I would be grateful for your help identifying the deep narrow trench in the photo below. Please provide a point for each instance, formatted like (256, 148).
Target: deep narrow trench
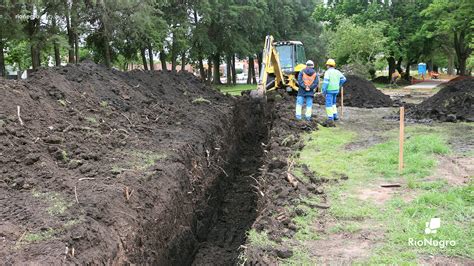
(236, 207)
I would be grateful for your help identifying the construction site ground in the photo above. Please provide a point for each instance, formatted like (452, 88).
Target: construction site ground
(106, 167)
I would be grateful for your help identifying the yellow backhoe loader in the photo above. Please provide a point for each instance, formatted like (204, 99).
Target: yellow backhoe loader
(281, 63)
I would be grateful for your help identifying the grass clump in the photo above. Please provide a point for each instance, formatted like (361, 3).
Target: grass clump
(57, 205)
(260, 239)
(91, 120)
(235, 89)
(40, 236)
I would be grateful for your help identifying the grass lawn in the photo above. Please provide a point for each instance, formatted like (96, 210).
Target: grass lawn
(235, 89)
(402, 216)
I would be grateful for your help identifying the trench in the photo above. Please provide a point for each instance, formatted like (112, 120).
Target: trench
(234, 204)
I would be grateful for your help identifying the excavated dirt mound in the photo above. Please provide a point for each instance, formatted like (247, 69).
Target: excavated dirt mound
(359, 92)
(106, 167)
(453, 102)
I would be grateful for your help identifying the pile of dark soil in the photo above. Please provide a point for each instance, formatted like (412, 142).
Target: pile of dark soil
(381, 79)
(359, 92)
(386, 80)
(453, 102)
(458, 78)
(106, 167)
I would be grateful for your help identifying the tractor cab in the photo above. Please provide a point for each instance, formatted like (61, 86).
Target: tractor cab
(291, 55)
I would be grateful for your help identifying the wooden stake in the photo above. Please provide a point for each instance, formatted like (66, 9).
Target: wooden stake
(342, 101)
(402, 138)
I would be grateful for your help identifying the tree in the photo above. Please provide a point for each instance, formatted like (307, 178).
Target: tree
(453, 18)
(352, 43)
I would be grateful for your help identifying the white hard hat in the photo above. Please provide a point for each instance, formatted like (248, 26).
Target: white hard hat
(310, 63)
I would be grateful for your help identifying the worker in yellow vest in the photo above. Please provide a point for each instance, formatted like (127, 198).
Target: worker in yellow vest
(308, 81)
(333, 80)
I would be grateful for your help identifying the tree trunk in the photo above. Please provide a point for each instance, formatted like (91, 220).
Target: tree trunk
(234, 74)
(163, 60)
(173, 54)
(35, 56)
(76, 48)
(250, 72)
(391, 67)
(105, 35)
(217, 74)
(209, 70)
(399, 65)
(229, 69)
(462, 51)
(406, 75)
(450, 64)
(70, 39)
(251, 77)
(144, 62)
(150, 55)
(3, 72)
(183, 61)
(259, 61)
(57, 55)
(202, 72)
(108, 60)
(75, 33)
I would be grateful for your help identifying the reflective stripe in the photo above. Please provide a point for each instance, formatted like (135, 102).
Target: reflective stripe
(308, 80)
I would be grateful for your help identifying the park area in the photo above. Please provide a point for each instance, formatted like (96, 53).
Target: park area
(132, 134)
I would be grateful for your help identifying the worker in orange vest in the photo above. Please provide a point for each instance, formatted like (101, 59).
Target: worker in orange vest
(308, 81)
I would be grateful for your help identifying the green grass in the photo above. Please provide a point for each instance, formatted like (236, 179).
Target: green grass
(398, 219)
(91, 120)
(39, 236)
(235, 89)
(57, 205)
(137, 160)
(345, 226)
(326, 154)
(455, 207)
(259, 239)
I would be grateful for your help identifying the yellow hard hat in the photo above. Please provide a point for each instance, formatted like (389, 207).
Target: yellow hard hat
(331, 62)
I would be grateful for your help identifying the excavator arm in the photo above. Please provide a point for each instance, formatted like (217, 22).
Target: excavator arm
(270, 59)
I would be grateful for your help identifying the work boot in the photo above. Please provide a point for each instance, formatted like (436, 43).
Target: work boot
(328, 123)
(336, 117)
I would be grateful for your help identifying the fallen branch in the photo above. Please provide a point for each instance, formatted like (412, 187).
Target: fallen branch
(289, 176)
(19, 116)
(127, 119)
(291, 179)
(207, 158)
(75, 194)
(21, 237)
(128, 193)
(86, 178)
(390, 185)
(225, 173)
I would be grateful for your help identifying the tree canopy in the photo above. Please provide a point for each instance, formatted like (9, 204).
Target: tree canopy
(118, 33)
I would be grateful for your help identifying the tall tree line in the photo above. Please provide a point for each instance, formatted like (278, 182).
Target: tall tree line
(118, 33)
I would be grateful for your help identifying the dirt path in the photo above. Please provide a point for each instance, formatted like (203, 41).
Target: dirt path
(428, 84)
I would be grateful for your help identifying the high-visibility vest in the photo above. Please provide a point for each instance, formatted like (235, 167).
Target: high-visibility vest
(308, 80)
